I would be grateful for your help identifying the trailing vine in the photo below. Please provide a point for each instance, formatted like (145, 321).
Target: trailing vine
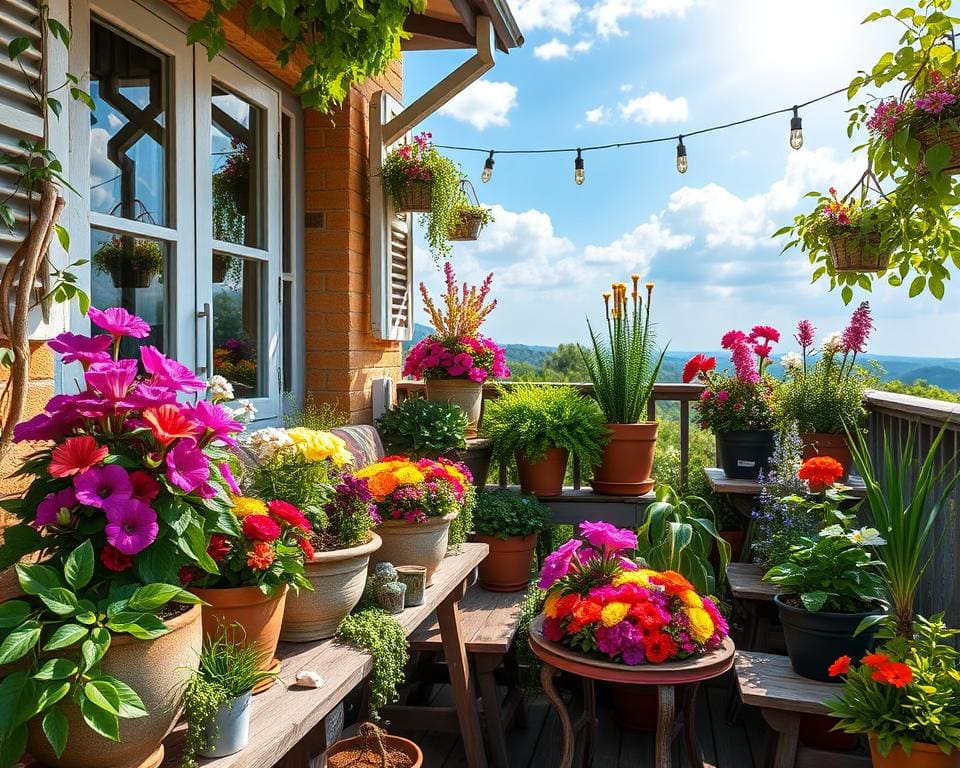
(344, 41)
(380, 634)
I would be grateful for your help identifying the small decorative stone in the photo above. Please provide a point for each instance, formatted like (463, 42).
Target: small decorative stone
(307, 678)
(390, 596)
(415, 579)
(383, 573)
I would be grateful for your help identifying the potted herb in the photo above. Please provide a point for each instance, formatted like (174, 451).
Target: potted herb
(373, 747)
(470, 219)
(738, 408)
(123, 495)
(905, 697)
(455, 360)
(216, 699)
(541, 426)
(830, 584)
(131, 262)
(509, 524)
(623, 365)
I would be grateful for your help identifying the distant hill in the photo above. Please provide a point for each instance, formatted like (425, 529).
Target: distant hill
(516, 353)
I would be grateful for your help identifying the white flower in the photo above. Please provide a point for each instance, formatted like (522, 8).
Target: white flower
(270, 442)
(867, 537)
(245, 412)
(832, 531)
(792, 361)
(220, 389)
(833, 342)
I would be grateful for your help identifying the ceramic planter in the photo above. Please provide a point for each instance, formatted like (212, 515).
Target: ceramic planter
(826, 444)
(545, 477)
(627, 460)
(477, 456)
(507, 567)
(744, 455)
(414, 543)
(815, 640)
(157, 670)
(347, 753)
(228, 731)
(259, 618)
(463, 392)
(850, 253)
(338, 579)
(921, 756)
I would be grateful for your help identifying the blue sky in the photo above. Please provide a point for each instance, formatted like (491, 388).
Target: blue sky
(598, 71)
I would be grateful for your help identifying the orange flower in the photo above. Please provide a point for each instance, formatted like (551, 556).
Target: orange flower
(261, 557)
(876, 659)
(566, 605)
(893, 673)
(383, 484)
(673, 582)
(820, 472)
(586, 612)
(840, 667)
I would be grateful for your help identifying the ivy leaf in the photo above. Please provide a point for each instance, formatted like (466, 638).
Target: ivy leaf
(937, 157)
(58, 30)
(936, 287)
(17, 46)
(814, 601)
(60, 600)
(846, 294)
(55, 728)
(78, 568)
(19, 642)
(67, 635)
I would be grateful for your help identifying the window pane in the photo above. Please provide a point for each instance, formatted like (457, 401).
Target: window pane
(238, 328)
(128, 272)
(237, 160)
(128, 133)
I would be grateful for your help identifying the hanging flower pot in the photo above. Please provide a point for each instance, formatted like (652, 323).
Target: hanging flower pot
(467, 226)
(127, 275)
(943, 134)
(130, 262)
(853, 253)
(414, 197)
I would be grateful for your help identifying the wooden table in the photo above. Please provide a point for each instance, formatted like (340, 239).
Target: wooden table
(666, 677)
(287, 725)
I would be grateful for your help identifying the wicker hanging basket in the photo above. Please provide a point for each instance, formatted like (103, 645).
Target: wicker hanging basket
(852, 254)
(467, 227)
(943, 134)
(414, 197)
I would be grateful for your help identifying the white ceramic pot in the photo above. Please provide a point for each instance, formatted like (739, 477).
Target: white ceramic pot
(414, 543)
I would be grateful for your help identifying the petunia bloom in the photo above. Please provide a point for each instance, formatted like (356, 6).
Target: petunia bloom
(76, 455)
(557, 564)
(131, 526)
(214, 422)
(76, 348)
(167, 372)
(187, 466)
(118, 322)
(608, 538)
(103, 486)
(112, 379)
(169, 422)
(227, 474)
(145, 486)
(56, 509)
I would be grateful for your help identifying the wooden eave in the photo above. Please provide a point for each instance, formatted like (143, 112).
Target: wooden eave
(452, 24)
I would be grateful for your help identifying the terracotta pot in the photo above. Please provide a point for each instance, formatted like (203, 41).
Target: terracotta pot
(545, 477)
(627, 460)
(259, 618)
(345, 752)
(921, 756)
(463, 392)
(816, 732)
(826, 444)
(338, 579)
(476, 456)
(157, 670)
(507, 567)
(414, 543)
(850, 253)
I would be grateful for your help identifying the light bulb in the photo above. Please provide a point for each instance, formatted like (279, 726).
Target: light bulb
(579, 175)
(682, 163)
(796, 130)
(487, 169)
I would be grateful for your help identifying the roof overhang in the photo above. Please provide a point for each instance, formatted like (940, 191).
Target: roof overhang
(451, 24)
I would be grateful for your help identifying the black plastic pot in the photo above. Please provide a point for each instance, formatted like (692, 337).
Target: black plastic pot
(743, 455)
(816, 640)
(476, 456)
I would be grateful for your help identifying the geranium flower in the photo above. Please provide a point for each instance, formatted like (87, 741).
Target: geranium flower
(118, 322)
(820, 472)
(76, 455)
(261, 528)
(112, 379)
(659, 647)
(214, 422)
(131, 526)
(187, 466)
(875, 659)
(219, 547)
(697, 365)
(114, 560)
(167, 372)
(840, 667)
(169, 423)
(145, 486)
(261, 557)
(556, 565)
(76, 348)
(103, 486)
(56, 509)
(289, 514)
(893, 673)
(553, 630)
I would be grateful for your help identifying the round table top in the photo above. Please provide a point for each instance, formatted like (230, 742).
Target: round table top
(692, 670)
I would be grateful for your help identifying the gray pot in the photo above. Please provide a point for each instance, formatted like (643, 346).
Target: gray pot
(229, 730)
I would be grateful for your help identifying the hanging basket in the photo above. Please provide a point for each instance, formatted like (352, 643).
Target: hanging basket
(414, 197)
(852, 254)
(127, 275)
(467, 227)
(944, 134)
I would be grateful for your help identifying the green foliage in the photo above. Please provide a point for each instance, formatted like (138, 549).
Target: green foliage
(377, 632)
(530, 608)
(827, 397)
(678, 535)
(344, 42)
(505, 514)
(920, 388)
(747, 406)
(145, 255)
(528, 419)
(294, 479)
(315, 414)
(925, 710)
(421, 428)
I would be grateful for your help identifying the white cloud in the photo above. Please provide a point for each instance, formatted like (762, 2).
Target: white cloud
(598, 115)
(635, 250)
(557, 49)
(583, 46)
(654, 107)
(607, 14)
(626, 88)
(546, 14)
(482, 104)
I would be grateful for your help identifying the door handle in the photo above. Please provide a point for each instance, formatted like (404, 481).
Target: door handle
(207, 316)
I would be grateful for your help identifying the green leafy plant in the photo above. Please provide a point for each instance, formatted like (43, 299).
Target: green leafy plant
(314, 414)
(505, 514)
(306, 484)
(623, 363)
(906, 497)
(228, 669)
(464, 209)
(529, 418)
(56, 640)
(380, 634)
(423, 428)
(678, 535)
(145, 255)
(343, 42)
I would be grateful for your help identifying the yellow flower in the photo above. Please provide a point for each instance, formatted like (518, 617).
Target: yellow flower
(691, 599)
(408, 475)
(701, 625)
(641, 577)
(245, 505)
(315, 445)
(613, 613)
(550, 604)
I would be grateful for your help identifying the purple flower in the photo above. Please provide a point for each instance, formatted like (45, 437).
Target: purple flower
(169, 373)
(188, 468)
(83, 349)
(228, 478)
(557, 564)
(607, 537)
(149, 396)
(215, 421)
(103, 486)
(131, 526)
(934, 102)
(118, 322)
(112, 379)
(805, 333)
(857, 333)
(56, 509)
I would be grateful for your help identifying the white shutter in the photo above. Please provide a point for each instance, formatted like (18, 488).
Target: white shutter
(401, 276)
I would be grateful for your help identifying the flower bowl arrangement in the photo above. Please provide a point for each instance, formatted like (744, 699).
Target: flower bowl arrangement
(455, 360)
(127, 489)
(738, 408)
(416, 502)
(623, 365)
(599, 601)
(133, 267)
(509, 524)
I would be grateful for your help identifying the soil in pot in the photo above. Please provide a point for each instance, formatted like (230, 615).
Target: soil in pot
(921, 756)
(374, 750)
(744, 455)
(627, 460)
(507, 567)
(545, 477)
(826, 444)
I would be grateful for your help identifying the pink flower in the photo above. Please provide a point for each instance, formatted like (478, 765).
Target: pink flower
(479, 375)
(723, 396)
(112, 379)
(215, 422)
(934, 102)
(884, 119)
(766, 332)
(118, 322)
(856, 334)
(131, 526)
(762, 350)
(83, 349)
(731, 338)
(557, 564)
(607, 537)
(227, 475)
(805, 333)
(187, 467)
(168, 372)
(56, 509)
(744, 363)
(104, 486)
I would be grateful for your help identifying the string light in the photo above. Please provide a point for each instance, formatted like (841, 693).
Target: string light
(487, 169)
(682, 163)
(579, 175)
(796, 129)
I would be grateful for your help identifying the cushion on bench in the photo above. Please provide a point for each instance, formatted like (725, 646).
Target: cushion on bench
(363, 442)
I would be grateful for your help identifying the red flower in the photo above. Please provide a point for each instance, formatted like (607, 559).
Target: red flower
(767, 332)
(145, 487)
(566, 605)
(113, 559)
(261, 528)
(659, 647)
(762, 350)
(840, 667)
(76, 455)
(553, 630)
(820, 472)
(186, 575)
(262, 555)
(876, 659)
(290, 514)
(168, 423)
(893, 673)
(696, 365)
(647, 615)
(219, 548)
(307, 547)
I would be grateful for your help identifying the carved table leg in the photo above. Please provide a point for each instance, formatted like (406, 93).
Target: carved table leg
(694, 755)
(547, 673)
(589, 721)
(666, 700)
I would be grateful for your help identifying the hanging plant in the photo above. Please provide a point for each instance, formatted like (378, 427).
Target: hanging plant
(471, 217)
(135, 267)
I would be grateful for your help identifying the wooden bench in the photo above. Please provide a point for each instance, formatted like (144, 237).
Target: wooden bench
(754, 597)
(488, 623)
(783, 697)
